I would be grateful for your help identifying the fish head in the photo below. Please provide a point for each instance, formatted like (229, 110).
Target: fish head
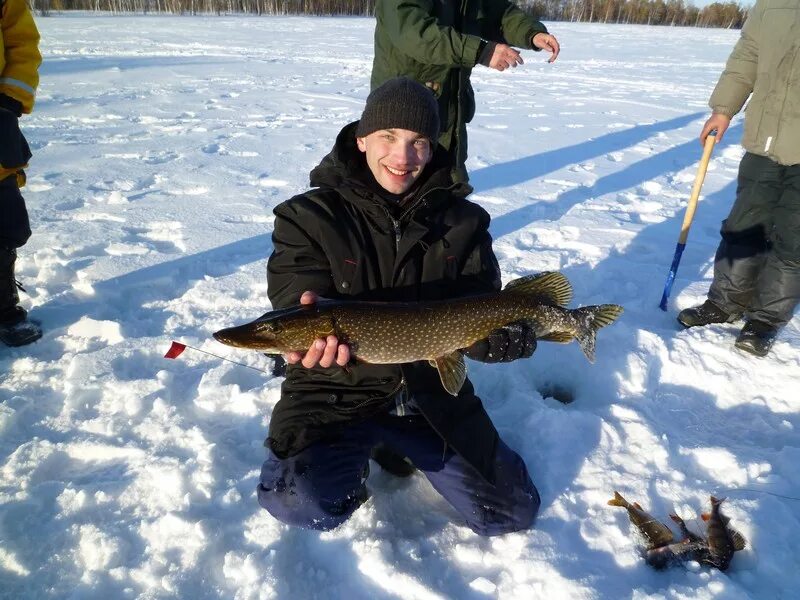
(276, 332)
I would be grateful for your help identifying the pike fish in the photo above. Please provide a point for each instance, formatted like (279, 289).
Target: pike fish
(393, 333)
(654, 531)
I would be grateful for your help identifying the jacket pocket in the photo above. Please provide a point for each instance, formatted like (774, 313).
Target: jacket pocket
(348, 269)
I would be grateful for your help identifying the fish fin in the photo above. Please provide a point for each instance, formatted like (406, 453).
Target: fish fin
(452, 371)
(675, 518)
(593, 318)
(562, 337)
(432, 363)
(618, 500)
(637, 505)
(705, 516)
(739, 541)
(550, 285)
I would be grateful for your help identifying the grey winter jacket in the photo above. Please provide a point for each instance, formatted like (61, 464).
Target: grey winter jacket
(766, 63)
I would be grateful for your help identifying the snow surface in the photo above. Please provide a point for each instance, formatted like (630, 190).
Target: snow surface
(162, 145)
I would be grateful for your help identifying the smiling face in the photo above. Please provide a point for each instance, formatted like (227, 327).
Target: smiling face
(396, 157)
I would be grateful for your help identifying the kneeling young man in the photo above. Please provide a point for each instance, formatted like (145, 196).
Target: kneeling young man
(385, 221)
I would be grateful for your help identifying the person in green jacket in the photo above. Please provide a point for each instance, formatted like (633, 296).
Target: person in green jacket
(757, 264)
(438, 43)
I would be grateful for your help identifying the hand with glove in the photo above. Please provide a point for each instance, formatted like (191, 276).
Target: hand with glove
(515, 340)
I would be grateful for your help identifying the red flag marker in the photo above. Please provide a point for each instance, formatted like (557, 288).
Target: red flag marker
(175, 350)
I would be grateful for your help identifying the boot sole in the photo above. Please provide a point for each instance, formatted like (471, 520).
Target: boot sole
(745, 347)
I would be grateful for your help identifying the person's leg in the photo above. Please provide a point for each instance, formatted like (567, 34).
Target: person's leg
(320, 487)
(745, 234)
(510, 504)
(15, 329)
(778, 287)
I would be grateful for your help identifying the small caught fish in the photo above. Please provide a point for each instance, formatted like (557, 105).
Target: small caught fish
(665, 556)
(687, 535)
(723, 540)
(698, 545)
(655, 532)
(393, 333)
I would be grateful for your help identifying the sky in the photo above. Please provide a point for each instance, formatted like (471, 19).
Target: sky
(162, 144)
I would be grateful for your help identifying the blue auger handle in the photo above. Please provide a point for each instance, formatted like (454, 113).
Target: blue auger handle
(671, 275)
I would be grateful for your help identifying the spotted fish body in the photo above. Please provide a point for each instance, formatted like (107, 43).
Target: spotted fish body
(393, 333)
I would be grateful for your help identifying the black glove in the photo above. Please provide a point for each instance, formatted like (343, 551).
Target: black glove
(278, 366)
(11, 105)
(14, 150)
(516, 340)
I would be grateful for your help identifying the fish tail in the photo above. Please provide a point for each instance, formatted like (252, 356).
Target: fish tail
(592, 318)
(618, 500)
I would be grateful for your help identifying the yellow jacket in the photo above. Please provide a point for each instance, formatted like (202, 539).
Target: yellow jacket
(19, 53)
(19, 60)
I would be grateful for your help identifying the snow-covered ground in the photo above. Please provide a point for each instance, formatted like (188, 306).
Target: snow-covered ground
(162, 145)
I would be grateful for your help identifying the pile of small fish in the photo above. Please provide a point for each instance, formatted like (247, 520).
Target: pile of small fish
(715, 549)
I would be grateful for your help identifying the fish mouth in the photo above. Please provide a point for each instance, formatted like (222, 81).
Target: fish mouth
(242, 336)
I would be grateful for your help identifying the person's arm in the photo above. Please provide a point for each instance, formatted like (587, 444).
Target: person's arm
(298, 263)
(738, 79)
(298, 272)
(412, 27)
(513, 25)
(20, 41)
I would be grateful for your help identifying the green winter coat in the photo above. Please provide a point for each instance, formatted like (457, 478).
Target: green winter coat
(437, 43)
(766, 63)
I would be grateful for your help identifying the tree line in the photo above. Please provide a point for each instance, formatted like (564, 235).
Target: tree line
(644, 12)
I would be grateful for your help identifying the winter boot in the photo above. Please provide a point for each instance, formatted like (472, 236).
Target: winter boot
(391, 462)
(15, 328)
(756, 338)
(705, 314)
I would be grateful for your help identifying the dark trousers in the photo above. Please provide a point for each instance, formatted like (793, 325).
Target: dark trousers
(323, 485)
(15, 228)
(757, 265)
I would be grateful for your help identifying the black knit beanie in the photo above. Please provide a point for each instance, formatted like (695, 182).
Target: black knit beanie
(400, 103)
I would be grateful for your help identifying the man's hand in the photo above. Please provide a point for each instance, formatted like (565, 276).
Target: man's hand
(545, 41)
(504, 57)
(716, 121)
(516, 340)
(321, 352)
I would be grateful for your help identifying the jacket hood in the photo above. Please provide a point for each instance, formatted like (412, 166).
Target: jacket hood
(346, 167)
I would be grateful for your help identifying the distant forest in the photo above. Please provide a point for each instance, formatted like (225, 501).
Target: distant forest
(729, 15)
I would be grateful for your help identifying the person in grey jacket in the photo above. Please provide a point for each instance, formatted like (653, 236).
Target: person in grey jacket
(757, 264)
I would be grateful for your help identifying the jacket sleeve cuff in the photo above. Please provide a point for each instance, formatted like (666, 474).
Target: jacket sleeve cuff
(485, 52)
(11, 104)
(724, 110)
(533, 34)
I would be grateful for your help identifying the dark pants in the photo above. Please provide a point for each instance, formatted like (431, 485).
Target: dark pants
(323, 485)
(757, 265)
(15, 228)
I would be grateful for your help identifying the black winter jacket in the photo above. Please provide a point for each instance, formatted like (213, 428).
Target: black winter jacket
(344, 240)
